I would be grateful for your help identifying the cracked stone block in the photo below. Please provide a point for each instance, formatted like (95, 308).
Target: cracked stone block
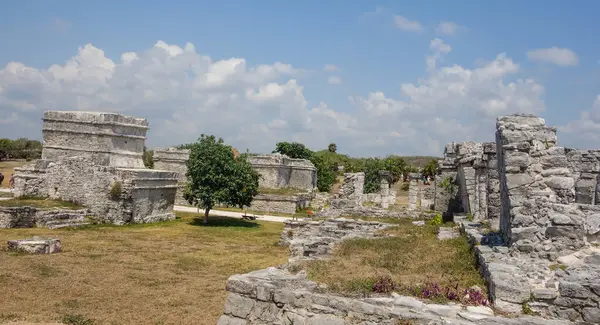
(35, 245)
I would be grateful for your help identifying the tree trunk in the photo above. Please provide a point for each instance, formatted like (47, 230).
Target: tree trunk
(206, 216)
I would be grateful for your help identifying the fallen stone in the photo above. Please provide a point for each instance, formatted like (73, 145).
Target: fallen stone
(35, 245)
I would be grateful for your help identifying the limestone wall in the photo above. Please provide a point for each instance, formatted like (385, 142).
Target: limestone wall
(106, 138)
(280, 171)
(351, 193)
(540, 185)
(145, 196)
(29, 217)
(475, 191)
(174, 160)
(280, 203)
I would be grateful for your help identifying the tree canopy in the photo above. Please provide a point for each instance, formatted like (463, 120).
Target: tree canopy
(332, 147)
(216, 176)
(21, 148)
(431, 168)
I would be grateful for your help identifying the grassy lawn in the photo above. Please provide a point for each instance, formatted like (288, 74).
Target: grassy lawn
(39, 203)
(164, 273)
(413, 259)
(6, 168)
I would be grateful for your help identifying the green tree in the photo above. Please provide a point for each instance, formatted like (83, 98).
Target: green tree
(293, 150)
(216, 176)
(395, 165)
(5, 148)
(372, 168)
(332, 147)
(148, 158)
(431, 168)
(326, 171)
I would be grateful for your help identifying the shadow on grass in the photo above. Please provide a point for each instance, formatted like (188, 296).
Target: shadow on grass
(214, 221)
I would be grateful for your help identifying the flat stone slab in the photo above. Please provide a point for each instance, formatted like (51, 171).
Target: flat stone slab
(448, 233)
(35, 245)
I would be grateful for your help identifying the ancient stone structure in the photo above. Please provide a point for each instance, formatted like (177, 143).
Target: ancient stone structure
(385, 196)
(175, 160)
(413, 194)
(351, 193)
(289, 204)
(277, 296)
(35, 245)
(468, 181)
(95, 160)
(280, 171)
(427, 197)
(310, 240)
(29, 217)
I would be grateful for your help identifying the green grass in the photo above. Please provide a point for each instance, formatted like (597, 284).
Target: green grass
(37, 202)
(412, 258)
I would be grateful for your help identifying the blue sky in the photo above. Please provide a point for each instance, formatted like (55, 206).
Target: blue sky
(372, 51)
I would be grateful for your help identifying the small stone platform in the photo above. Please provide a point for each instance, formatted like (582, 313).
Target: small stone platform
(35, 245)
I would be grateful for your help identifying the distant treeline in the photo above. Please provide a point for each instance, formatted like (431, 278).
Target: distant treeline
(21, 148)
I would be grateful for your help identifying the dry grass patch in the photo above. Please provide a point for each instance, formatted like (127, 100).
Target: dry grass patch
(413, 259)
(6, 168)
(163, 273)
(37, 202)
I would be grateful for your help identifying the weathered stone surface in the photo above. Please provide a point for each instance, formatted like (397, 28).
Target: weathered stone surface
(95, 159)
(281, 203)
(35, 245)
(29, 217)
(175, 160)
(280, 171)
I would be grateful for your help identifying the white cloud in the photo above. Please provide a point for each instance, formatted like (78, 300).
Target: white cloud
(406, 24)
(585, 131)
(439, 49)
(183, 94)
(448, 28)
(334, 80)
(331, 67)
(558, 56)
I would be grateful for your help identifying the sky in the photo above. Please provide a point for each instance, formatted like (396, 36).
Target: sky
(374, 77)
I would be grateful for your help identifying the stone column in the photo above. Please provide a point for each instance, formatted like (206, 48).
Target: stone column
(413, 194)
(385, 178)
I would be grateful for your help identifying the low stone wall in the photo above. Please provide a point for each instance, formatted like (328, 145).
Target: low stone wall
(29, 217)
(276, 296)
(566, 289)
(280, 203)
(316, 239)
(373, 212)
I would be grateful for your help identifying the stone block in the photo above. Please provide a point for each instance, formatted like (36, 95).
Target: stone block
(35, 245)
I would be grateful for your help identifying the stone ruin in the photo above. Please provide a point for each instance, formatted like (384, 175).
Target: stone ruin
(35, 245)
(468, 181)
(175, 160)
(281, 171)
(542, 199)
(95, 160)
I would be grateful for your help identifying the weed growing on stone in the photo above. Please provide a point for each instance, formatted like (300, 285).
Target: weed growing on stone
(411, 262)
(556, 266)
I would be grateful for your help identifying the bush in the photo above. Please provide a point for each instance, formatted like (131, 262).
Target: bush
(116, 190)
(405, 186)
(437, 220)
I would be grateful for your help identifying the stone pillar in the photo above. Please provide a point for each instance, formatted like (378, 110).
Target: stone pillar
(537, 189)
(351, 193)
(493, 185)
(385, 178)
(413, 194)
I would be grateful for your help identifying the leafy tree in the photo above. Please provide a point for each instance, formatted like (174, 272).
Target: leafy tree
(148, 158)
(216, 176)
(431, 168)
(372, 168)
(326, 171)
(395, 165)
(5, 148)
(293, 150)
(332, 147)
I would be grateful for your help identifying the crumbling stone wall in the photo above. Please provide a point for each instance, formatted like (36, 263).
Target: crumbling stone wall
(173, 159)
(29, 217)
(280, 171)
(95, 159)
(289, 204)
(351, 193)
(475, 191)
(541, 184)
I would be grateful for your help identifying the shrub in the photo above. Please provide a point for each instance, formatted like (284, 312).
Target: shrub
(116, 190)
(437, 220)
(384, 285)
(76, 320)
(405, 186)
